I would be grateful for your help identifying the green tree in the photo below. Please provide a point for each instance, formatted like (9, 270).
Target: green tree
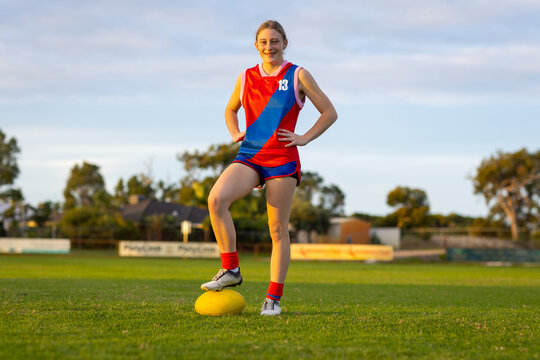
(310, 185)
(211, 162)
(120, 196)
(203, 169)
(390, 220)
(306, 214)
(90, 211)
(166, 192)
(9, 170)
(141, 185)
(82, 222)
(366, 217)
(510, 185)
(90, 222)
(43, 212)
(451, 220)
(332, 198)
(194, 192)
(84, 183)
(412, 207)
(87, 206)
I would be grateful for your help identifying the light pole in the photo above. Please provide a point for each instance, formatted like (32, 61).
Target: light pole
(186, 229)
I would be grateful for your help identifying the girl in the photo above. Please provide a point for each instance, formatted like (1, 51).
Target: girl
(272, 94)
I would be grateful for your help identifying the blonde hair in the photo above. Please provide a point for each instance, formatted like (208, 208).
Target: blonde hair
(271, 24)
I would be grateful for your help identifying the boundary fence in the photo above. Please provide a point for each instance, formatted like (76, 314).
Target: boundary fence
(469, 237)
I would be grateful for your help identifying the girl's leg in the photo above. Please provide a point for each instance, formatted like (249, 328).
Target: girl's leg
(279, 196)
(235, 182)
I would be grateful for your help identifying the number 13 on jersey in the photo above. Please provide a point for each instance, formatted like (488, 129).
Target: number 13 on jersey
(283, 85)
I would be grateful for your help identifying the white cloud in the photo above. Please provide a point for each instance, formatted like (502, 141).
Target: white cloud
(461, 75)
(109, 42)
(84, 71)
(100, 51)
(451, 76)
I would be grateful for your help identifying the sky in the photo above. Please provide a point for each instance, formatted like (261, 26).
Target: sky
(424, 90)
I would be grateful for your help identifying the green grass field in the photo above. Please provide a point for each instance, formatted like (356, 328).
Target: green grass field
(101, 307)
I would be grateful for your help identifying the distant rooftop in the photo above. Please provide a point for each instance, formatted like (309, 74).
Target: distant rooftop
(137, 212)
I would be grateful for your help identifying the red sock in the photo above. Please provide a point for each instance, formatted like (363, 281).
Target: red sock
(229, 261)
(275, 291)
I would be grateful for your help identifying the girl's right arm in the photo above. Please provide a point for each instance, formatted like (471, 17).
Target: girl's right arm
(231, 113)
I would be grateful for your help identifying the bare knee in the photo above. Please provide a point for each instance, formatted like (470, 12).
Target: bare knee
(278, 231)
(217, 203)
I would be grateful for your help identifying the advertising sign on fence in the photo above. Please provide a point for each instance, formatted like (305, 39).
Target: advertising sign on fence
(34, 246)
(168, 249)
(341, 252)
(487, 255)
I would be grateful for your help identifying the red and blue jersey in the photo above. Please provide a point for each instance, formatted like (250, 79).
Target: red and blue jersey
(270, 102)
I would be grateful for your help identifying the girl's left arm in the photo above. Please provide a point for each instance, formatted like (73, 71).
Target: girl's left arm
(308, 86)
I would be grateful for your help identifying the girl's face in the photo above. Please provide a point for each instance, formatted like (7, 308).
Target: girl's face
(271, 45)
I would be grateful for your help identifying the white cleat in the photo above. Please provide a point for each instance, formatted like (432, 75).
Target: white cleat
(270, 307)
(224, 278)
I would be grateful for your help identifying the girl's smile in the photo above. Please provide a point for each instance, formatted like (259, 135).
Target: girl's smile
(271, 45)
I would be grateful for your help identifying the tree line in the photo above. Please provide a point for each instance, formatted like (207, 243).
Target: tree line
(508, 182)
(90, 211)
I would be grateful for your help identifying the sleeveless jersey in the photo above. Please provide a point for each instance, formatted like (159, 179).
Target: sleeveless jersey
(270, 102)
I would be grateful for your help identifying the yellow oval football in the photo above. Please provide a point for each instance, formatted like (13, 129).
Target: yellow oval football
(224, 302)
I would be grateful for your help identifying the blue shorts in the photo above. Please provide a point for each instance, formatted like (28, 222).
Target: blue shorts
(265, 172)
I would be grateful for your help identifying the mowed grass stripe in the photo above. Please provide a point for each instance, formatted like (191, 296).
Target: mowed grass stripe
(108, 307)
(111, 267)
